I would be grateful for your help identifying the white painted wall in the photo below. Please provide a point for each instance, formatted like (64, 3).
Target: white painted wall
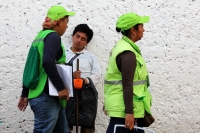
(170, 46)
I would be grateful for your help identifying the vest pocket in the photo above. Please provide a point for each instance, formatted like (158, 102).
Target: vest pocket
(138, 108)
(147, 101)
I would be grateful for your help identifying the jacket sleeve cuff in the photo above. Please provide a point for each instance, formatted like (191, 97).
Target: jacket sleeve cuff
(24, 91)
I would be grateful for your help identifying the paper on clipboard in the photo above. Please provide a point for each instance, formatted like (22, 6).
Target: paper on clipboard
(65, 72)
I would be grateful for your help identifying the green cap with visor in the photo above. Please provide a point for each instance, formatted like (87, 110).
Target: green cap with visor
(57, 12)
(128, 20)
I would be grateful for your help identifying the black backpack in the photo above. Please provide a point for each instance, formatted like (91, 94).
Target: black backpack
(88, 103)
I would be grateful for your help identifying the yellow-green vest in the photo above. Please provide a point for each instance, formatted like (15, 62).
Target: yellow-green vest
(35, 92)
(113, 91)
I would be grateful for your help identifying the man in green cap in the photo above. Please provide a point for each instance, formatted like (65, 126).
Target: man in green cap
(49, 112)
(126, 95)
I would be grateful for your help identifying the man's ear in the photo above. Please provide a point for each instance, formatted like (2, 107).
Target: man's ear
(58, 22)
(133, 30)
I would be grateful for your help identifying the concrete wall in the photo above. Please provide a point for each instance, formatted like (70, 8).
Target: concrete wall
(170, 46)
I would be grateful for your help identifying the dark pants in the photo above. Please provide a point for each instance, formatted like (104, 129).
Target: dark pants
(114, 121)
(87, 130)
(84, 129)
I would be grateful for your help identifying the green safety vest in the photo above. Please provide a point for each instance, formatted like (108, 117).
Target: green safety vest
(113, 90)
(35, 92)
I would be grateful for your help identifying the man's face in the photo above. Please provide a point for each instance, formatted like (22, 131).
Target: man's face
(79, 40)
(63, 25)
(139, 32)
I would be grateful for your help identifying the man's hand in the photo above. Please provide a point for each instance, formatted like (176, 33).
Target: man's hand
(64, 94)
(129, 121)
(22, 104)
(77, 74)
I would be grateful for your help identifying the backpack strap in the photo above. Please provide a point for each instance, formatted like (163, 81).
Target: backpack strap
(73, 58)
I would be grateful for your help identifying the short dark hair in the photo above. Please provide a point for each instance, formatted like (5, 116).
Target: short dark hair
(126, 32)
(85, 29)
(62, 19)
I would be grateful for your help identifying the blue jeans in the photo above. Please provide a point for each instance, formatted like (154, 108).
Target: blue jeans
(49, 116)
(115, 120)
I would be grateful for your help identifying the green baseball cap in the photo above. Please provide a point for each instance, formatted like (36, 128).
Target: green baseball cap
(57, 12)
(128, 20)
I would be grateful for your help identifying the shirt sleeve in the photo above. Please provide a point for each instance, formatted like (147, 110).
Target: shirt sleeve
(126, 63)
(95, 70)
(53, 52)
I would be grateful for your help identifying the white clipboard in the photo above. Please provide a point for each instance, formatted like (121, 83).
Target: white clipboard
(65, 72)
(136, 127)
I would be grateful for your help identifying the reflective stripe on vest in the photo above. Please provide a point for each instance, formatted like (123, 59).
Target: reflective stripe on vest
(38, 40)
(117, 82)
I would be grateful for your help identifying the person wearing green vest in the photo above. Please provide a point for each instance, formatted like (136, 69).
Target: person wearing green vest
(49, 111)
(126, 95)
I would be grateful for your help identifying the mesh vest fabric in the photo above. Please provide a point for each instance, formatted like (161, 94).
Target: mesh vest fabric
(31, 72)
(35, 92)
